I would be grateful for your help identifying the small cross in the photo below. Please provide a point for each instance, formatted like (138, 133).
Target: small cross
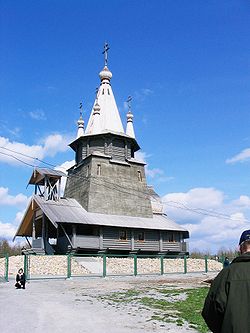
(105, 52)
(80, 107)
(129, 103)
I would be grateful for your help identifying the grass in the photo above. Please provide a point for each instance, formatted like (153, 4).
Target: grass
(122, 297)
(188, 310)
(177, 310)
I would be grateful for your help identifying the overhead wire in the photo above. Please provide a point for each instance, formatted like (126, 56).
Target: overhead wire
(114, 185)
(211, 213)
(28, 156)
(14, 157)
(119, 188)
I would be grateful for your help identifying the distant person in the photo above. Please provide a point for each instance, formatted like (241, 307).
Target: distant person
(227, 305)
(20, 279)
(226, 262)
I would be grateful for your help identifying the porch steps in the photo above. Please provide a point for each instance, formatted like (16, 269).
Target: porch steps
(91, 264)
(34, 251)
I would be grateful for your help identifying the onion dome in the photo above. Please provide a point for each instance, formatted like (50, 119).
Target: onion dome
(105, 74)
(130, 128)
(80, 123)
(96, 108)
(130, 116)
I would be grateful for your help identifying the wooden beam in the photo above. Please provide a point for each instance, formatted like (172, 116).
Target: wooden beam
(132, 241)
(74, 234)
(67, 236)
(161, 242)
(33, 227)
(27, 240)
(101, 238)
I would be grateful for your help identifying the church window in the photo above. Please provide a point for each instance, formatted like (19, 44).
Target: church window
(132, 153)
(123, 235)
(103, 91)
(108, 92)
(139, 176)
(98, 169)
(87, 173)
(141, 236)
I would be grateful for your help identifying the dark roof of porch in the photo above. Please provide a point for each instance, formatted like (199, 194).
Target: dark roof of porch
(38, 175)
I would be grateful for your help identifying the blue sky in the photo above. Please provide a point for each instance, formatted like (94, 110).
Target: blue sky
(187, 66)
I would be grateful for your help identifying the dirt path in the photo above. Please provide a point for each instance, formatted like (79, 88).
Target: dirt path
(76, 306)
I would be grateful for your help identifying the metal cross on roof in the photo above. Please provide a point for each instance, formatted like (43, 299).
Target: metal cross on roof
(129, 102)
(80, 107)
(105, 52)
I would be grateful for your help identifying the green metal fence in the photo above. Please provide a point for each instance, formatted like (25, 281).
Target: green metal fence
(102, 265)
(136, 265)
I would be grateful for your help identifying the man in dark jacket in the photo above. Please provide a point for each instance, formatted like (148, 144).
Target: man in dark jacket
(227, 305)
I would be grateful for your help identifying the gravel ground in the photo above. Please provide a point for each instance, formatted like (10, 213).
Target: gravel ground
(82, 305)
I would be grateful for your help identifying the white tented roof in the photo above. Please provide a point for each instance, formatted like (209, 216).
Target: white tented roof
(109, 117)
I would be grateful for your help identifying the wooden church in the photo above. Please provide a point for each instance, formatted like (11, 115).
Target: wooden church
(107, 205)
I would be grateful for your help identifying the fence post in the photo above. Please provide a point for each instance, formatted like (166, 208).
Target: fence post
(185, 264)
(6, 275)
(206, 266)
(69, 266)
(135, 264)
(104, 265)
(162, 265)
(28, 268)
(25, 265)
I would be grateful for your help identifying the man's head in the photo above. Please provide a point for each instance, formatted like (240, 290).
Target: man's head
(244, 242)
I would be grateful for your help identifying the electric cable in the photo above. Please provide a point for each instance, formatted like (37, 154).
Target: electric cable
(119, 188)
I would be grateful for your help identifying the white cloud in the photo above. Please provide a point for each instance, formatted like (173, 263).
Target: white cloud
(142, 94)
(147, 91)
(65, 166)
(243, 201)
(37, 114)
(55, 143)
(212, 222)
(7, 230)
(155, 173)
(178, 204)
(5, 127)
(19, 216)
(48, 146)
(141, 156)
(19, 200)
(243, 156)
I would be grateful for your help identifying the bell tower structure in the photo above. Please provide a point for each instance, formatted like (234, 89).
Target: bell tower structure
(106, 177)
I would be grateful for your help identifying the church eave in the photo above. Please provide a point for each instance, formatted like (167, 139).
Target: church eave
(85, 137)
(68, 210)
